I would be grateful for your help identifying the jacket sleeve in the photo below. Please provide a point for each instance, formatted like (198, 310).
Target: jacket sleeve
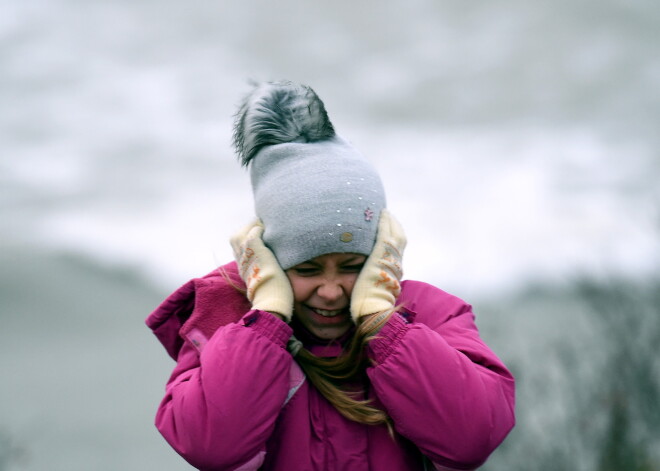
(444, 389)
(221, 406)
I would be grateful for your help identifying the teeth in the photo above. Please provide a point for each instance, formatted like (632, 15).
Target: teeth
(325, 313)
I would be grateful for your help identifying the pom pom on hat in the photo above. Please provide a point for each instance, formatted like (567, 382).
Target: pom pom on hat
(313, 191)
(279, 112)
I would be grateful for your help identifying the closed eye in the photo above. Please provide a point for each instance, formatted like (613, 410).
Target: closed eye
(306, 271)
(355, 268)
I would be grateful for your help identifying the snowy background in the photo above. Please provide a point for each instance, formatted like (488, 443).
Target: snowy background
(518, 143)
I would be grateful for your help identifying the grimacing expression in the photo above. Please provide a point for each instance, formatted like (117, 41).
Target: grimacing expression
(322, 289)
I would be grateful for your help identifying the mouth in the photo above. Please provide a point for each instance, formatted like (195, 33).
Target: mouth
(325, 316)
(326, 313)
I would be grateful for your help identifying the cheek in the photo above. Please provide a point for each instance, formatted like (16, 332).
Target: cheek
(300, 287)
(349, 284)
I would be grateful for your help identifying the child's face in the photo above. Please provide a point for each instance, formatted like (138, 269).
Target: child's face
(322, 290)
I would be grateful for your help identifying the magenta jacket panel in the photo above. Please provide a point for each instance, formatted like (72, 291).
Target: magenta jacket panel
(237, 400)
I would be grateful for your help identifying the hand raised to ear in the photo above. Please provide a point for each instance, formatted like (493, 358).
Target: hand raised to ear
(377, 286)
(268, 287)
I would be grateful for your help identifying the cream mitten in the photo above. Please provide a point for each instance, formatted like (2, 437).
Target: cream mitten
(268, 287)
(377, 286)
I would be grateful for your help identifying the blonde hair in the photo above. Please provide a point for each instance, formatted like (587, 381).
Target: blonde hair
(335, 378)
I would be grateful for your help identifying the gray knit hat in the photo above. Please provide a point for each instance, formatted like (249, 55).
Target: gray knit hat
(313, 191)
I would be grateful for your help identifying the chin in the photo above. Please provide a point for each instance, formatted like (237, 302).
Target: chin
(323, 327)
(329, 333)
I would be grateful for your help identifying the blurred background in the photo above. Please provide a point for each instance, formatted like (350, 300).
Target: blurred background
(518, 142)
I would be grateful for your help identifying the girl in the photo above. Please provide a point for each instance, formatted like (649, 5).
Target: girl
(309, 352)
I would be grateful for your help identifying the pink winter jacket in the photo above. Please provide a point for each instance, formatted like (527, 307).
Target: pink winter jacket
(237, 400)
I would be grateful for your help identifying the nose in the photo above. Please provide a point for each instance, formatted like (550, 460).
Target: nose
(330, 290)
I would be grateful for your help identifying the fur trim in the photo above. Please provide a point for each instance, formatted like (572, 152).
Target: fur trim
(279, 112)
